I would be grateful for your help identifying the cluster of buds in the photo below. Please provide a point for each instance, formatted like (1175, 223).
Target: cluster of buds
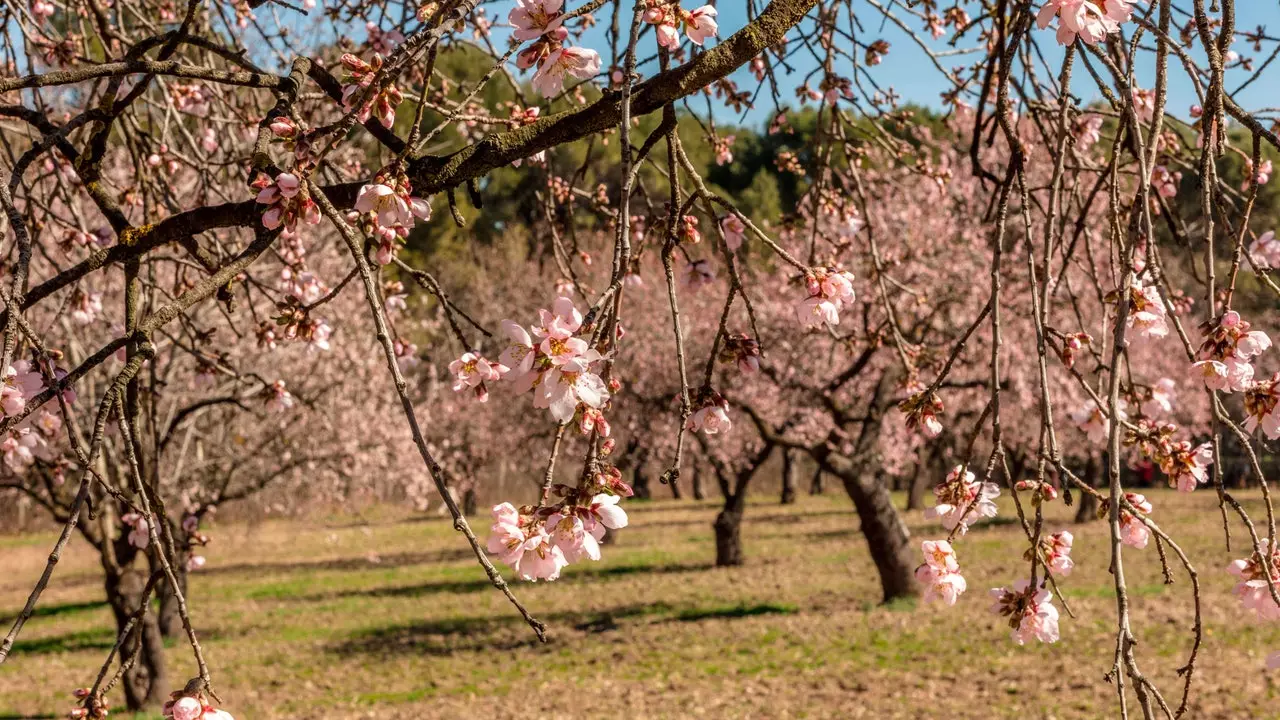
(922, 409)
(295, 323)
(709, 413)
(1041, 492)
(472, 371)
(668, 18)
(723, 147)
(1226, 354)
(382, 103)
(742, 350)
(876, 52)
(1071, 345)
(92, 707)
(688, 230)
(286, 200)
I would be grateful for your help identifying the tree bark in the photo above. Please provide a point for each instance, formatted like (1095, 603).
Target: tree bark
(887, 536)
(676, 492)
(1087, 505)
(915, 487)
(640, 479)
(790, 473)
(699, 492)
(470, 501)
(816, 485)
(169, 619)
(728, 526)
(144, 683)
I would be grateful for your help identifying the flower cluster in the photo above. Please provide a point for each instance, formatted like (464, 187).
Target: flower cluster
(1147, 318)
(1031, 612)
(471, 371)
(1186, 466)
(387, 210)
(1227, 353)
(552, 361)
(668, 18)
(186, 707)
(962, 499)
(1090, 21)
(940, 572)
(829, 289)
(94, 709)
(381, 104)
(286, 200)
(543, 22)
(1253, 589)
(537, 543)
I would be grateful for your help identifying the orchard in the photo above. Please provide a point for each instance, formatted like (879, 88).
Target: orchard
(535, 262)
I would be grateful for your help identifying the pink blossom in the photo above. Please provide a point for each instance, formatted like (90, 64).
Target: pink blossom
(1134, 532)
(1161, 400)
(1212, 373)
(20, 383)
(696, 275)
(542, 560)
(700, 24)
(569, 535)
(828, 290)
(940, 585)
(534, 18)
(519, 354)
(139, 534)
(1261, 403)
(711, 417)
(734, 231)
(186, 708)
(471, 371)
(577, 62)
(563, 388)
(277, 397)
(1077, 18)
(604, 507)
(1253, 589)
(939, 555)
(195, 562)
(1265, 251)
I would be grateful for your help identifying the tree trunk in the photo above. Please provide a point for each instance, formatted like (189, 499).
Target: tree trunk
(170, 620)
(699, 492)
(144, 684)
(1087, 507)
(915, 488)
(887, 536)
(676, 492)
(640, 480)
(790, 471)
(728, 526)
(816, 485)
(470, 501)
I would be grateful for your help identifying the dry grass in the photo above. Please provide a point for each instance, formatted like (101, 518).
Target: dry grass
(389, 619)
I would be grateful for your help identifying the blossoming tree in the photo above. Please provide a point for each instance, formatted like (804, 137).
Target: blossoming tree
(1033, 279)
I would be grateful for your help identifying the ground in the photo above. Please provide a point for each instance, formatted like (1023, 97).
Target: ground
(387, 616)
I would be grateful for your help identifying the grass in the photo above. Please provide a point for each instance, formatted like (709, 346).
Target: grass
(390, 619)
